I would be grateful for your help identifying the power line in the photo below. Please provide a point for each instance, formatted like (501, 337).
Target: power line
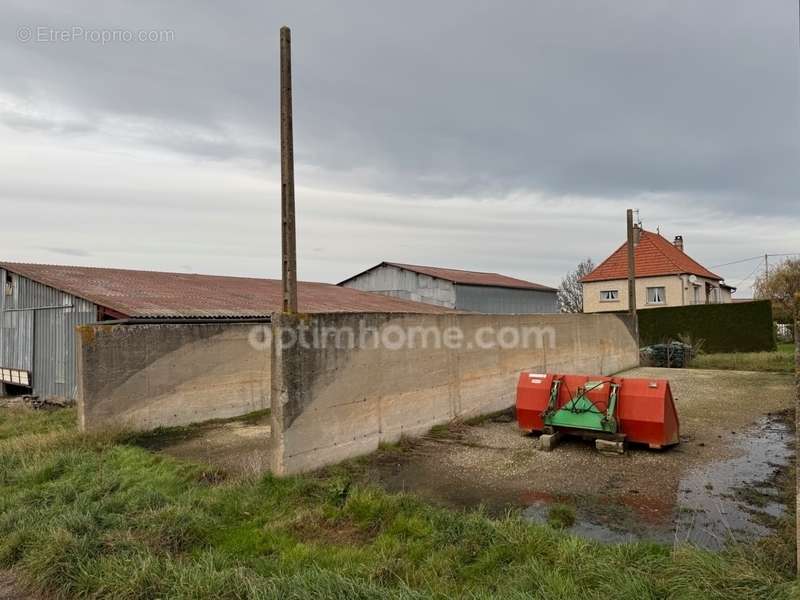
(736, 262)
(747, 278)
(759, 257)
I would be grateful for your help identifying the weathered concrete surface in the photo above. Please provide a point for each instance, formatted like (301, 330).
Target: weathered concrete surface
(146, 376)
(331, 403)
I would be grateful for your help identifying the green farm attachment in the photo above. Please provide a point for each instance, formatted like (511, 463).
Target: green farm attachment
(580, 412)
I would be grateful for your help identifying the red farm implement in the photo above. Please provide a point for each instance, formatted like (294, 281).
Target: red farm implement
(612, 410)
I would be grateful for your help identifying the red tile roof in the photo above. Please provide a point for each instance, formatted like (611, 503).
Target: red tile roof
(156, 294)
(464, 277)
(654, 255)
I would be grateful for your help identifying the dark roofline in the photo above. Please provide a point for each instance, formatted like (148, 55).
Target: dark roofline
(365, 271)
(676, 273)
(532, 286)
(539, 288)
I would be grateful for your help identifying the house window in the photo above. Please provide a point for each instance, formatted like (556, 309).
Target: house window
(609, 295)
(656, 295)
(9, 285)
(713, 296)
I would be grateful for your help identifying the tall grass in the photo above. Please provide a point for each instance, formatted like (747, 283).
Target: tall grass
(780, 361)
(91, 516)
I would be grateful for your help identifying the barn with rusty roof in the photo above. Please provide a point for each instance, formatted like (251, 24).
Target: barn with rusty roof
(41, 306)
(473, 291)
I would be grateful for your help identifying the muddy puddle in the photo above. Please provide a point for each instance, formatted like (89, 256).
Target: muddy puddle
(707, 503)
(722, 500)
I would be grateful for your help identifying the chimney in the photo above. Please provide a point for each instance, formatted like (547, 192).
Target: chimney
(637, 234)
(678, 242)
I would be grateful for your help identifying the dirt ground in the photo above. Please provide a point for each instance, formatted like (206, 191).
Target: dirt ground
(11, 590)
(238, 447)
(734, 434)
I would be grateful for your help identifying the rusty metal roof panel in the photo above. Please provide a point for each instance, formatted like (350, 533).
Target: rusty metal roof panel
(153, 294)
(459, 276)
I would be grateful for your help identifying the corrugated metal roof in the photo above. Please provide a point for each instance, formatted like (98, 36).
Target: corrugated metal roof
(654, 255)
(462, 277)
(153, 294)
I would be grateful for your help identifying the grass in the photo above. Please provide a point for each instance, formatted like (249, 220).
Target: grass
(96, 516)
(160, 437)
(780, 361)
(561, 516)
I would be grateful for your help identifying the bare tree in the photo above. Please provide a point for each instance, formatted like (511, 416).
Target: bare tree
(570, 292)
(782, 286)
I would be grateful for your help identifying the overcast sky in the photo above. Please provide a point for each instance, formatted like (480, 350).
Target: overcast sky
(497, 136)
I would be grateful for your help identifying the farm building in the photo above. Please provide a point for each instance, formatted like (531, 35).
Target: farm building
(474, 291)
(42, 304)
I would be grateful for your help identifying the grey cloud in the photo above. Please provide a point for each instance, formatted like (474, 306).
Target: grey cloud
(67, 251)
(450, 98)
(23, 122)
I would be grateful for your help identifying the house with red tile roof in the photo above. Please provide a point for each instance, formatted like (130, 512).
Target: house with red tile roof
(665, 276)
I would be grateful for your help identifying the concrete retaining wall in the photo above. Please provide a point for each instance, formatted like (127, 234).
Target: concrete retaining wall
(331, 402)
(146, 376)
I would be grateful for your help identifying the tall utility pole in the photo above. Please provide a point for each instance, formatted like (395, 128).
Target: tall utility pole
(766, 266)
(631, 267)
(289, 246)
(632, 241)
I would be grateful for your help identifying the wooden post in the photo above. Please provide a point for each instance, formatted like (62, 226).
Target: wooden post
(797, 421)
(288, 243)
(632, 275)
(631, 266)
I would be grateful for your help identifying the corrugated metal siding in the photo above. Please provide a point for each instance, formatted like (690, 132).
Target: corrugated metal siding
(44, 334)
(402, 283)
(497, 300)
(16, 335)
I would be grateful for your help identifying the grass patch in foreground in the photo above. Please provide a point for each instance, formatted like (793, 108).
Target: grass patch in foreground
(561, 516)
(20, 421)
(91, 516)
(780, 361)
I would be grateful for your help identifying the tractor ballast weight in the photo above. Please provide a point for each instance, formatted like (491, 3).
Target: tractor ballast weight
(612, 408)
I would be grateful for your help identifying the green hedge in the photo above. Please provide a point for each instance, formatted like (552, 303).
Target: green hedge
(736, 327)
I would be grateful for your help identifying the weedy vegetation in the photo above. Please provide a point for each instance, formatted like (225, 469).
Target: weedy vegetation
(101, 516)
(561, 516)
(780, 361)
